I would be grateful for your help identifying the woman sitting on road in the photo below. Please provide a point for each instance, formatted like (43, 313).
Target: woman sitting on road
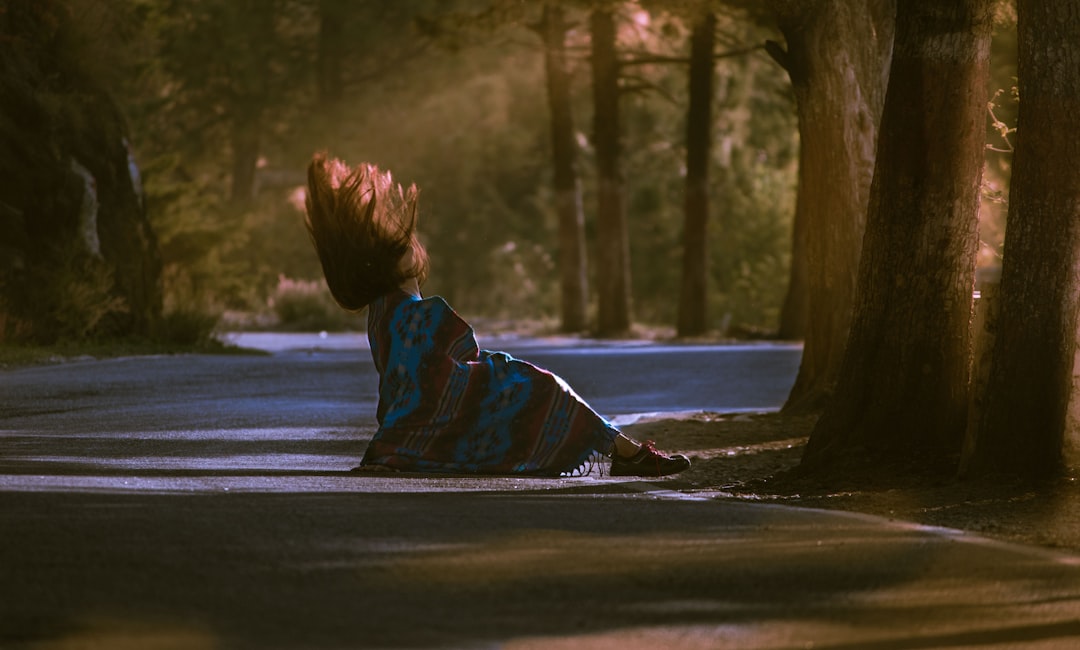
(444, 404)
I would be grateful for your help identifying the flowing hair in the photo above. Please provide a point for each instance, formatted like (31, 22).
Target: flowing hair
(361, 224)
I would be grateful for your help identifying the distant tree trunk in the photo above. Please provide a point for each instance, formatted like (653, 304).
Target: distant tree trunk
(902, 388)
(572, 259)
(693, 296)
(837, 55)
(331, 51)
(245, 157)
(613, 243)
(250, 82)
(1021, 426)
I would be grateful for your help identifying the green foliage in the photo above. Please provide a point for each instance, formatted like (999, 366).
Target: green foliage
(307, 306)
(527, 286)
(85, 300)
(21, 355)
(451, 96)
(71, 298)
(751, 251)
(193, 235)
(220, 63)
(752, 178)
(187, 328)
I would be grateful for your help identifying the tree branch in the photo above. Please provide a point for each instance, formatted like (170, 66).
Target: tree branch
(779, 54)
(645, 58)
(642, 85)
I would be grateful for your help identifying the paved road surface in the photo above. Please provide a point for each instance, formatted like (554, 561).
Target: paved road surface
(619, 377)
(203, 502)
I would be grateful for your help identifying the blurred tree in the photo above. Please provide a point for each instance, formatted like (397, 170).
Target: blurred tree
(902, 384)
(701, 94)
(250, 92)
(448, 94)
(750, 159)
(332, 50)
(756, 142)
(693, 295)
(231, 103)
(613, 243)
(216, 97)
(230, 67)
(362, 45)
(837, 57)
(573, 278)
(1022, 420)
(77, 256)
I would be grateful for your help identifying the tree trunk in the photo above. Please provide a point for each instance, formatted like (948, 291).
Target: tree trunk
(838, 55)
(331, 51)
(795, 312)
(572, 259)
(245, 156)
(693, 296)
(903, 382)
(62, 171)
(613, 243)
(250, 82)
(1022, 422)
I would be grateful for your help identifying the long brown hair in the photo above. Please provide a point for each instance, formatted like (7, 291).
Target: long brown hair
(361, 224)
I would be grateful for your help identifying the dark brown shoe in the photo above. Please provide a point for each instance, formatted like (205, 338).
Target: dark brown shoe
(649, 461)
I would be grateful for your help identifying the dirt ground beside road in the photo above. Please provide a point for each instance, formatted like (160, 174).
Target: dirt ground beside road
(755, 457)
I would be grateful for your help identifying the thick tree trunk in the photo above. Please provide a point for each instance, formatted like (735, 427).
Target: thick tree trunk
(79, 257)
(837, 57)
(693, 296)
(1022, 421)
(613, 243)
(903, 382)
(572, 259)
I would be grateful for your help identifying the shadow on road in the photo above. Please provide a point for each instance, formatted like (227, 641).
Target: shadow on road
(484, 568)
(204, 502)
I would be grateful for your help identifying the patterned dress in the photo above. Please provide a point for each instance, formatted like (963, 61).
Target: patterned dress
(447, 406)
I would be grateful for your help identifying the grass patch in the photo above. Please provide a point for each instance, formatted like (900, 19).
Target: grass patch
(17, 356)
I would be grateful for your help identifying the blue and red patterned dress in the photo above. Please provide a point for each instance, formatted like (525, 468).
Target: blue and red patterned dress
(447, 406)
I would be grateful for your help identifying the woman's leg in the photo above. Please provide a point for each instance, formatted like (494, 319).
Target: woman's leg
(625, 446)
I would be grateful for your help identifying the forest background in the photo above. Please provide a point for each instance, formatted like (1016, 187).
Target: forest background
(220, 107)
(153, 163)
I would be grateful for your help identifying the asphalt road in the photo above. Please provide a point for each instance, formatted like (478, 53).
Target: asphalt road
(204, 502)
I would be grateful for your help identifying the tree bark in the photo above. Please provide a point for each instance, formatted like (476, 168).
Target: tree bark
(1021, 425)
(837, 56)
(331, 52)
(693, 296)
(902, 388)
(572, 259)
(613, 243)
(795, 312)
